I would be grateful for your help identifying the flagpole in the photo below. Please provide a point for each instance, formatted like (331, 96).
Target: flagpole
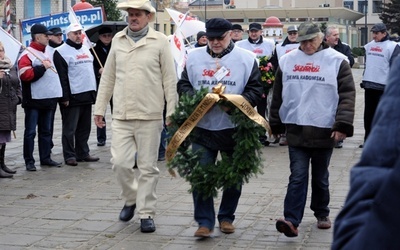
(20, 44)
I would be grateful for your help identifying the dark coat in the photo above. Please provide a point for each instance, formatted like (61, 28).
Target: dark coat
(102, 53)
(310, 136)
(345, 50)
(10, 97)
(370, 216)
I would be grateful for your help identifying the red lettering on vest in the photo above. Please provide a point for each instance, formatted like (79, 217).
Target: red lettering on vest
(309, 67)
(83, 56)
(377, 49)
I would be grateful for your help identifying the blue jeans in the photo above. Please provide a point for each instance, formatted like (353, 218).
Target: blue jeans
(204, 212)
(296, 195)
(43, 119)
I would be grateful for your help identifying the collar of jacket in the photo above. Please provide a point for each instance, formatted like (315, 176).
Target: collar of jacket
(259, 41)
(124, 33)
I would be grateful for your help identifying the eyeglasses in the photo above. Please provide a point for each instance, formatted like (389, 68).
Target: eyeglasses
(106, 35)
(57, 34)
(237, 31)
(292, 33)
(220, 38)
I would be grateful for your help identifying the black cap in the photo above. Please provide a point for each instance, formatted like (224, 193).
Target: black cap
(379, 27)
(200, 34)
(56, 30)
(40, 29)
(104, 30)
(237, 27)
(255, 26)
(216, 27)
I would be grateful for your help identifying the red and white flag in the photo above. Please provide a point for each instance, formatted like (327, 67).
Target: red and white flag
(74, 20)
(188, 25)
(178, 50)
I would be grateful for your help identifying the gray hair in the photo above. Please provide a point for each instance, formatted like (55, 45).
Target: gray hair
(329, 29)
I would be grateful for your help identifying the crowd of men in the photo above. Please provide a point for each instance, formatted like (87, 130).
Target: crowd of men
(311, 110)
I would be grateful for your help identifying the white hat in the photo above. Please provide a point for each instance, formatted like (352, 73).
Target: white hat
(73, 27)
(138, 4)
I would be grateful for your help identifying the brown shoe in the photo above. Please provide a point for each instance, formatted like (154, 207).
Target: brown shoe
(226, 227)
(71, 162)
(89, 158)
(287, 228)
(203, 232)
(324, 222)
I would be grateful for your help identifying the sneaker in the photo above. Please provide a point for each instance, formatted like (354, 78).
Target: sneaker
(287, 228)
(324, 222)
(339, 144)
(226, 227)
(203, 232)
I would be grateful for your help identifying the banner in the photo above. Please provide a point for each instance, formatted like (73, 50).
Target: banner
(88, 18)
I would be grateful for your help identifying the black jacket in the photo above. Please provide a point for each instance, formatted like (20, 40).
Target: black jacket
(345, 50)
(10, 96)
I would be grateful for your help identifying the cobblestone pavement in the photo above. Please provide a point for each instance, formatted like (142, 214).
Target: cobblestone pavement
(78, 207)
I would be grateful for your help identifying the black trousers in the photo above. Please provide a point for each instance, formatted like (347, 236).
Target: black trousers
(371, 99)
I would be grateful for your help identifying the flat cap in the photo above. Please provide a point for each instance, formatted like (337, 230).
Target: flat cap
(307, 31)
(216, 27)
(379, 27)
(255, 26)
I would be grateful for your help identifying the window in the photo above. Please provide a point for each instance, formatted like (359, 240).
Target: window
(348, 4)
(363, 6)
(29, 9)
(45, 7)
(376, 6)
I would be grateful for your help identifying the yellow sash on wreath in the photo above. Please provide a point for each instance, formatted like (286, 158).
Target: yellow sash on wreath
(208, 101)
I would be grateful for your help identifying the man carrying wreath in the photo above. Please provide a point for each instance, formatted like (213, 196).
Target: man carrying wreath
(218, 62)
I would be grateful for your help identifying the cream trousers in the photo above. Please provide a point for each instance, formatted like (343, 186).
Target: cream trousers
(138, 185)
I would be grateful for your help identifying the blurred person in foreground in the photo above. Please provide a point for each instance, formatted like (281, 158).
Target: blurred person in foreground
(313, 99)
(10, 97)
(140, 75)
(370, 218)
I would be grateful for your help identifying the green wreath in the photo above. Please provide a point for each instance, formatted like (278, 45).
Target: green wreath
(227, 172)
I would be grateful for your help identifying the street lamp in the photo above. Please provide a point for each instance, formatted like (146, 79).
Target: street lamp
(365, 24)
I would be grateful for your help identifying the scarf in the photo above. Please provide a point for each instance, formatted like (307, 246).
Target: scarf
(137, 35)
(224, 52)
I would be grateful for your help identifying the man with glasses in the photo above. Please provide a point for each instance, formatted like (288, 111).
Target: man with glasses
(102, 49)
(41, 89)
(224, 62)
(237, 32)
(313, 101)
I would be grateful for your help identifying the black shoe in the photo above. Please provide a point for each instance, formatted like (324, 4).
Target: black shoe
(4, 174)
(101, 143)
(147, 225)
(127, 212)
(7, 170)
(339, 144)
(89, 158)
(30, 167)
(51, 163)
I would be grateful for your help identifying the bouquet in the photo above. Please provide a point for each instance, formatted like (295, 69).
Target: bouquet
(267, 73)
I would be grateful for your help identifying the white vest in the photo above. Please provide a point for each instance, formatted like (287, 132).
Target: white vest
(47, 86)
(266, 48)
(377, 63)
(309, 87)
(201, 68)
(281, 50)
(80, 68)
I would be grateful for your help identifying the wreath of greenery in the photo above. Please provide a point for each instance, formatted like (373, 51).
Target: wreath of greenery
(227, 172)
